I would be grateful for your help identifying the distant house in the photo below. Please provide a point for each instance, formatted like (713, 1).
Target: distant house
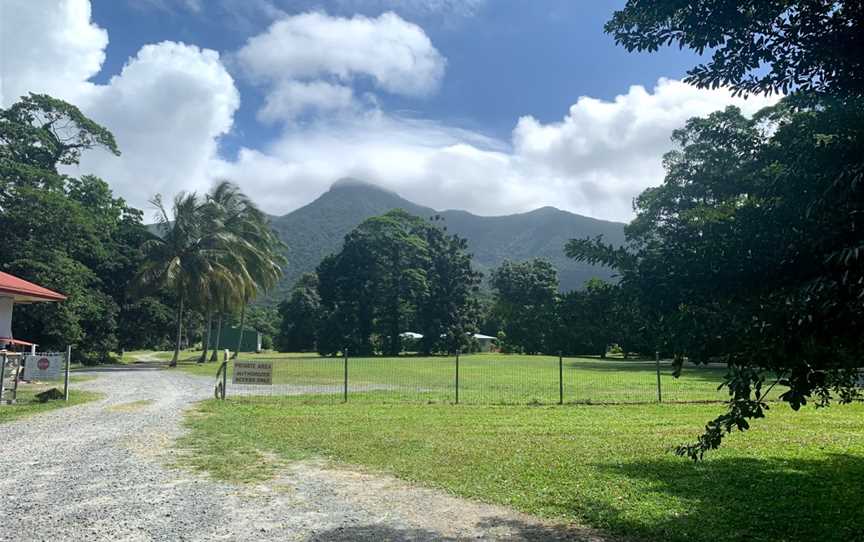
(486, 341)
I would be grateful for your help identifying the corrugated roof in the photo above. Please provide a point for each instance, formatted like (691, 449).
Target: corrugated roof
(24, 291)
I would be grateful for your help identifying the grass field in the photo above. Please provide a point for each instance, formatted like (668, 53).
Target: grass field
(483, 379)
(794, 476)
(27, 404)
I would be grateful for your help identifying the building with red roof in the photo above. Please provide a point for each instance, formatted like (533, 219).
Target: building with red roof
(14, 290)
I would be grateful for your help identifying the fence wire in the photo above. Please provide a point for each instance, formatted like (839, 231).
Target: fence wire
(474, 379)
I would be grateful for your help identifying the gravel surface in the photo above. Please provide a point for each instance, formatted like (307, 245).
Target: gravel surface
(101, 471)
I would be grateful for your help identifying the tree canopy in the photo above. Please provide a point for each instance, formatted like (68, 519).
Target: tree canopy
(755, 46)
(750, 253)
(395, 273)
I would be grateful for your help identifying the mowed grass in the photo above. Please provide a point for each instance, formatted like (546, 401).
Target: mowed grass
(27, 404)
(794, 476)
(483, 379)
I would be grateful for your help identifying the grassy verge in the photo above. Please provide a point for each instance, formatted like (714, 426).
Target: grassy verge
(483, 379)
(792, 477)
(27, 404)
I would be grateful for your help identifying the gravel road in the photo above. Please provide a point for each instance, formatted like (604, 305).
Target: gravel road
(102, 471)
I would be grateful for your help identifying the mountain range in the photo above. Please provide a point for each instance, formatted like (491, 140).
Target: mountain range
(318, 229)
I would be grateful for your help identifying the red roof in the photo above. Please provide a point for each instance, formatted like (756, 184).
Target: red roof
(17, 342)
(24, 291)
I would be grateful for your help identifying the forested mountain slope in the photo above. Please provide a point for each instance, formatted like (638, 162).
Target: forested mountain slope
(317, 229)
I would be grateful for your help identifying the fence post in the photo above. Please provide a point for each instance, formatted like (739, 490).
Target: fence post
(66, 376)
(2, 375)
(457, 376)
(224, 379)
(659, 389)
(560, 379)
(345, 385)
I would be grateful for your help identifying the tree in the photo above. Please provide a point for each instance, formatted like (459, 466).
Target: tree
(258, 266)
(749, 253)
(301, 316)
(525, 294)
(70, 234)
(447, 314)
(186, 257)
(756, 45)
(396, 272)
(373, 286)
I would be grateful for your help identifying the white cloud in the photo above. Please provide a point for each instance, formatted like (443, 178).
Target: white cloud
(171, 103)
(50, 46)
(291, 98)
(300, 53)
(593, 161)
(166, 108)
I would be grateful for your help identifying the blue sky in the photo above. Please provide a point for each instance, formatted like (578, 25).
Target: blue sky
(505, 58)
(493, 106)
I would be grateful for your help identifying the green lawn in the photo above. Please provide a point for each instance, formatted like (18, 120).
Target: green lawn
(27, 404)
(794, 476)
(483, 379)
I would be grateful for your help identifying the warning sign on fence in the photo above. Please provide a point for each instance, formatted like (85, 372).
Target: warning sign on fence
(253, 372)
(43, 367)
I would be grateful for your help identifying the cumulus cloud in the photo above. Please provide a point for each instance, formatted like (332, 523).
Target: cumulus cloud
(593, 161)
(50, 46)
(171, 102)
(166, 108)
(303, 53)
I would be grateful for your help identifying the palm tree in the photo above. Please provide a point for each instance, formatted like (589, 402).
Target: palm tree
(186, 256)
(254, 245)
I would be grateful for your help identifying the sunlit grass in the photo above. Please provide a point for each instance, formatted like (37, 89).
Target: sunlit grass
(794, 476)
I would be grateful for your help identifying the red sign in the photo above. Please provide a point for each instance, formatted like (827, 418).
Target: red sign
(43, 364)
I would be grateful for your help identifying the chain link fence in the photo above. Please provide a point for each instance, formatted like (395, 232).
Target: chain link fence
(467, 379)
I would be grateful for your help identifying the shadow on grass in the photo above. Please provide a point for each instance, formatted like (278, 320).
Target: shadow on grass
(491, 529)
(748, 499)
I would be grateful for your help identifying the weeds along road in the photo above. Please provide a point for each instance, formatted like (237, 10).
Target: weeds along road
(103, 471)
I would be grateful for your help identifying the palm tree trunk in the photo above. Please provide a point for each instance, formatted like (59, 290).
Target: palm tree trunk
(215, 355)
(240, 335)
(206, 344)
(179, 333)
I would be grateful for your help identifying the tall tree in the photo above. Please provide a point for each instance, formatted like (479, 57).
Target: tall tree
(188, 256)
(525, 294)
(68, 233)
(446, 314)
(300, 316)
(750, 252)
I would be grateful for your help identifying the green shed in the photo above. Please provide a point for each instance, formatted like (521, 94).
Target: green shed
(230, 334)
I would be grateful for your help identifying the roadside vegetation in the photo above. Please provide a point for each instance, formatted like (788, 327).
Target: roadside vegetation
(28, 404)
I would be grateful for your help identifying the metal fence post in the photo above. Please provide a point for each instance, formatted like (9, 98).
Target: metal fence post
(560, 379)
(659, 389)
(345, 385)
(457, 376)
(66, 376)
(224, 379)
(2, 374)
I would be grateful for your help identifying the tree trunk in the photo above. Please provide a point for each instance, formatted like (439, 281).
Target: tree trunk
(179, 333)
(206, 345)
(240, 335)
(215, 355)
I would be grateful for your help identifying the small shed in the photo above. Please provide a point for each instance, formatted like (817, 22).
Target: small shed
(485, 341)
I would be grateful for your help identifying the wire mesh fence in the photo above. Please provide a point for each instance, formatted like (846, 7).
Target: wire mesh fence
(469, 379)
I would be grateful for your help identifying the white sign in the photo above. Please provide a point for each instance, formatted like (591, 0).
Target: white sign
(253, 372)
(43, 367)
